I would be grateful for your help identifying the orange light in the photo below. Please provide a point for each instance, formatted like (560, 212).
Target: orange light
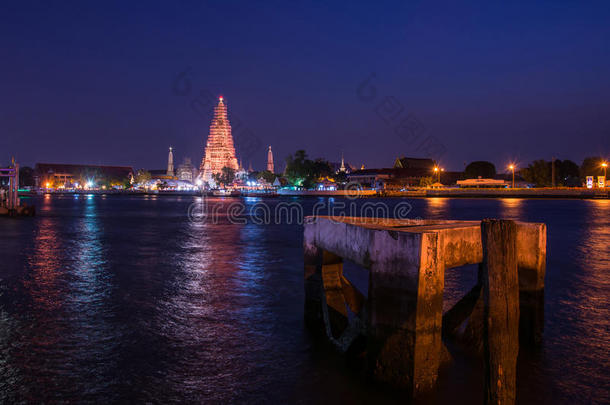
(436, 169)
(48, 185)
(511, 167)
(604, 164)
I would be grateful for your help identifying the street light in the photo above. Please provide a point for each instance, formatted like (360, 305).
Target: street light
(437, 171)
(512, 168)
(604, 165)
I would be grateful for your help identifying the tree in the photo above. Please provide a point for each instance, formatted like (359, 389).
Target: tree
(296, 168)
(538, 172)
(567, 173)
(301, 171)
(426, 181)
(340, 177)
(227, 175)
(591, 166)
(267, 176)
(26, 177)
(482, 169)
(127, 182)
(142, 176)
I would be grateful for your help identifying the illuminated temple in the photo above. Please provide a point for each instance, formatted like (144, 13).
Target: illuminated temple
(219, 150)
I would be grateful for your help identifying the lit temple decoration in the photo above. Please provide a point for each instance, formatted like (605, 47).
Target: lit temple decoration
(219, 150)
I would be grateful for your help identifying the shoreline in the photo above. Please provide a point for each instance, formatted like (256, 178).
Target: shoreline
(579, 193)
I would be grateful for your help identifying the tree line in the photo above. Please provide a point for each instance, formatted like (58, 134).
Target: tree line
(540, 172)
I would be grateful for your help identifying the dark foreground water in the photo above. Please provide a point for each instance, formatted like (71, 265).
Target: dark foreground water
(111, 299)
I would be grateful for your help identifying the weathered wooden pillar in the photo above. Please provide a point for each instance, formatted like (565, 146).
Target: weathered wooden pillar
(405, 312)
(501, 309)
(531, 253)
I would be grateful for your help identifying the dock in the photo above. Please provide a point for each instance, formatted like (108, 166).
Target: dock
(10, 204)
(402, 317)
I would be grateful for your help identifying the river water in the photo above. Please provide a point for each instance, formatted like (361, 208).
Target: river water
(130, 298)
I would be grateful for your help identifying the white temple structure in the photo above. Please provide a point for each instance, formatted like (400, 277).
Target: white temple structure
(270, 160)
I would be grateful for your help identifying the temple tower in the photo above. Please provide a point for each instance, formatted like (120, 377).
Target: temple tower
(270, 160)
(219, 150)
(170, 163)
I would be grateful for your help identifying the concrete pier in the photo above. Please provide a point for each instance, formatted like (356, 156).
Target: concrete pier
(402, 316)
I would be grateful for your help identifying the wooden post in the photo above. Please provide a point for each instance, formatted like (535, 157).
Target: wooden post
(501, 303)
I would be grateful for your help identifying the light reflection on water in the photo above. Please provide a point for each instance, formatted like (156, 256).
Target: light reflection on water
(124, 299)
(512, 208)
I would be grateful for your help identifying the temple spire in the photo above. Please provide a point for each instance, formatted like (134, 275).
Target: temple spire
(170, 162)
(270, 160)
(219, 150)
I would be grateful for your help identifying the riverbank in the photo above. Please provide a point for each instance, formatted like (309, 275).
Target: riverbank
(575, 193)
(578, 193)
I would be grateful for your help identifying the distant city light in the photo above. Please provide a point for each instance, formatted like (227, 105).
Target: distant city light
(89, 184)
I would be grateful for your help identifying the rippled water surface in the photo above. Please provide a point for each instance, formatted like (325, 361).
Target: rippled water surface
(118, 298)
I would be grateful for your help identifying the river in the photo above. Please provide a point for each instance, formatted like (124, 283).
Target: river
(136, 298)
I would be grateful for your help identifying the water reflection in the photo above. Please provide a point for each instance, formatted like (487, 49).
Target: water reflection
(199, 315)
(45, 264)
(512, 208)
(436, 207)
(68, 344)
(89, 309)
(29, 359)
(580, 322)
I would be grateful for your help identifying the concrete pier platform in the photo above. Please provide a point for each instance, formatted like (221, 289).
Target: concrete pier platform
(402, 317)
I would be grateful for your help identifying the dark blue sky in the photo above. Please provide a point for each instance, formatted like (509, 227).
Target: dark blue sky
(96, 82)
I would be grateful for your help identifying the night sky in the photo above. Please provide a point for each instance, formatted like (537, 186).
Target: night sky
(117, 83)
